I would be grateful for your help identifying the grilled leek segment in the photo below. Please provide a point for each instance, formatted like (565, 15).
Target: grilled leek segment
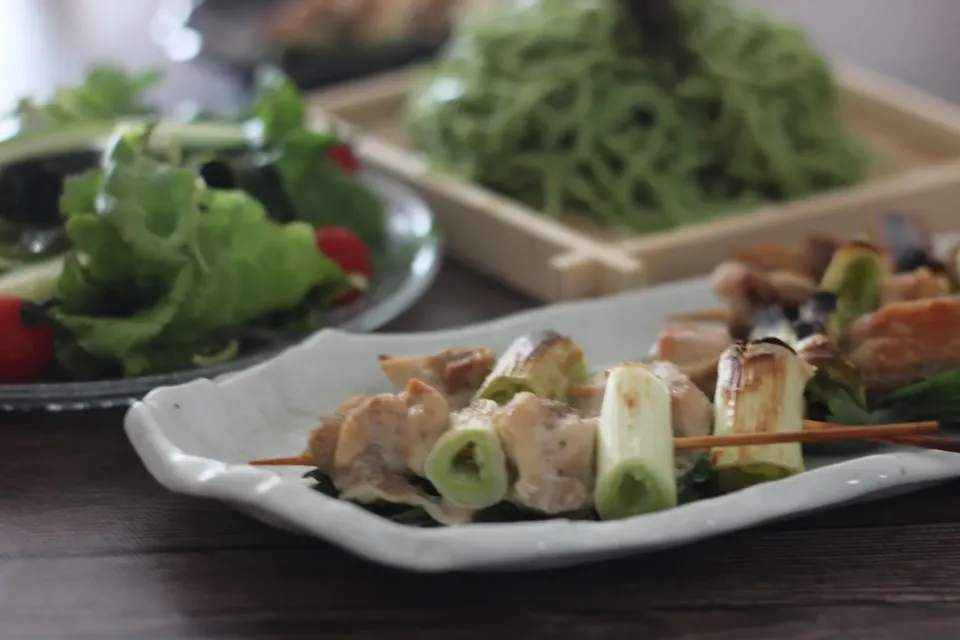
(635, 466)
(832, 366)
(543, 363)
(854, 276)
(760, 389)
(467, 465)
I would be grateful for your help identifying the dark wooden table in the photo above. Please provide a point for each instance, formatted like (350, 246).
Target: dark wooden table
(91, 547)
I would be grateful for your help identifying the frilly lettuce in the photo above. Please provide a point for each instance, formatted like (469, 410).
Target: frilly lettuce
(316, 189)
(165, 266)
(105, 93)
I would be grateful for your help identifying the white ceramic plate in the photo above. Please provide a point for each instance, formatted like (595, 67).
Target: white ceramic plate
(195, 438)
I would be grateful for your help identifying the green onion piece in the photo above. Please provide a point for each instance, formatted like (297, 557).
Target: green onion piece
(854, 276)
(467, 465)
(635, 466)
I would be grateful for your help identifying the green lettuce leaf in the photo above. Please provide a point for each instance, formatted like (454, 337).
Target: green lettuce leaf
(700, 483)
(322, 194)
(169, 264)
(831, 400)
(935, 398)
(316, 189)
(278, 105)
(106, 93)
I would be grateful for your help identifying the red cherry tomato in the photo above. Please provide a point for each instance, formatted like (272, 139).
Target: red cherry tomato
(342, 155)
(346, 249)
(26, 344)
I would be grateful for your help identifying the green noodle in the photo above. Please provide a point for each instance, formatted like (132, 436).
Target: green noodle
(554, 103)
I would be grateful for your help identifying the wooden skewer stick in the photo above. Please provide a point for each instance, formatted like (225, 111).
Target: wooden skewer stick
(584, 390)
(703, 315)
(814, 435)
(817, 425)
(293, 461)
(921, 442)
(908, 434)
(924, 442)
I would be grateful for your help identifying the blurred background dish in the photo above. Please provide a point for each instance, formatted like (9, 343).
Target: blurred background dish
(317, 42)
(409, 265)
(138, 251)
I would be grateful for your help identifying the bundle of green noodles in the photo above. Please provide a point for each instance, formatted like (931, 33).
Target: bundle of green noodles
(557, 104)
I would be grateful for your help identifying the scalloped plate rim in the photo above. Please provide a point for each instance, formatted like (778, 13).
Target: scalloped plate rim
(265, 495)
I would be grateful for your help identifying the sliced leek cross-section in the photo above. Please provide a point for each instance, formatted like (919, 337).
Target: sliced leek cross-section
(543, 363)
(635, 467)
(467, 464)
(759, 390)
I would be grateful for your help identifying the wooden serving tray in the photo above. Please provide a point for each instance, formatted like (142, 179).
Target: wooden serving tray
(918, 136)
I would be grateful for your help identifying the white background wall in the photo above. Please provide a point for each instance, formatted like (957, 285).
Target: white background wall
(48, 41)
(917, 41)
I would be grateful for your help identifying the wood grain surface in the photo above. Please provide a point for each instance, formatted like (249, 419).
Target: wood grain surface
(91, 547)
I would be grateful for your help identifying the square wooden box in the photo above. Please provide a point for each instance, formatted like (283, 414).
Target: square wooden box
(552, 260)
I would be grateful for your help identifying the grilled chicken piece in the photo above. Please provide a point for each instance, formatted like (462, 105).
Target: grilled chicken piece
(914, 285)
(552, 450)
(456, 373)
(743, 290)
(322, 443)
(691, 411)
(373, 444)
(772, 256)
(810, 258)
(695, 349)
(792, 289)
(397, 431)
(907, 341)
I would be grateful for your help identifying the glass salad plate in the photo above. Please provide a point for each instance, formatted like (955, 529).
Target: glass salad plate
(409, 266)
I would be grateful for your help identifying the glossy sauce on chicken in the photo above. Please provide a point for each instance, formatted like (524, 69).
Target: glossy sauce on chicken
(551, 448)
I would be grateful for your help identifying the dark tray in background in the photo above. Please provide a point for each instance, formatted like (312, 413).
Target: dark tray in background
(232, 38)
